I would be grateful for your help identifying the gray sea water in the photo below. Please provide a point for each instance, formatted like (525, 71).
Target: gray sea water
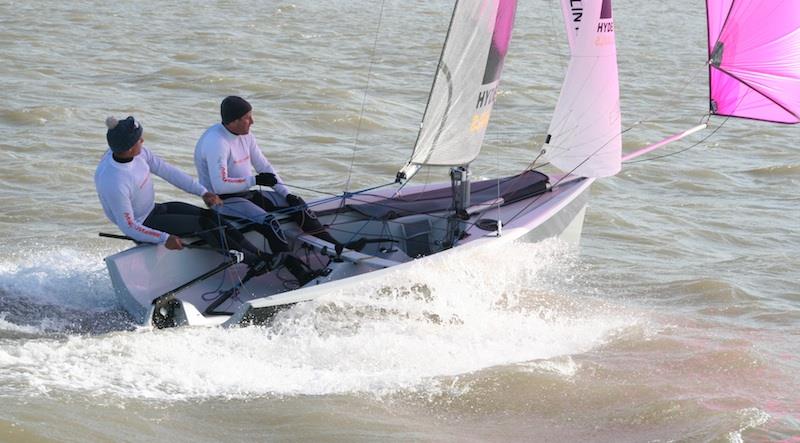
(677, 320)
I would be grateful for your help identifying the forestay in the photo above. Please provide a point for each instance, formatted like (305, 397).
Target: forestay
(584, 136)
(754, 53)
(465, 84)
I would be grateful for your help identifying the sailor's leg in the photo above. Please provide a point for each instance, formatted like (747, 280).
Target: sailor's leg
(305, 218)
(186, 220)
(264, 223)
(176, 218)
(229, 236)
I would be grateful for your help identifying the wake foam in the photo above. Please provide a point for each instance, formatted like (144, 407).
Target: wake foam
(62, 291)
(444, 317)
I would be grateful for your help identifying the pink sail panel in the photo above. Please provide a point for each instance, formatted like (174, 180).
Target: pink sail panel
(754, 48)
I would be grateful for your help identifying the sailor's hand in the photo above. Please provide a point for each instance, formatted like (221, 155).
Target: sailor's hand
(266, 179)
(212, 199)
(174, 243)
(294, 200)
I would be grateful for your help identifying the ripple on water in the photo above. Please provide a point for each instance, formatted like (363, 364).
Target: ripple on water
(37, 115)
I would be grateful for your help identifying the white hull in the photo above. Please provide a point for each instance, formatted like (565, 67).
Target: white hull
(145, 272)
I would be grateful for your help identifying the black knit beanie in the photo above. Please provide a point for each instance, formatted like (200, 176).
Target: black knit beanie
(233, 108)
(122, 134)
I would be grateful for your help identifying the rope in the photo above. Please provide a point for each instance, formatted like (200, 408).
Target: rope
(364, 98)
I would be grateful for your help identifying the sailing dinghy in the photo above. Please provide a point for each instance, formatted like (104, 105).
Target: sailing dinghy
(754, 75)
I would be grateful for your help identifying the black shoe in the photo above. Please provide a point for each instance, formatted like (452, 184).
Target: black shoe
(259, 269)
(356, 245)
(299, 270)
(261, 264)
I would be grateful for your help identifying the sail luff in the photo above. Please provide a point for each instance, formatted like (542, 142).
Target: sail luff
(409, 170)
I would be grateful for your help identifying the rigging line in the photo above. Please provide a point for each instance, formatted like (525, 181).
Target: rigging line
(206, 296)
(224, 241)
(531, 164)
(245, 222)
(439, 64)
(428, 181)
(280, 211)
(355, 199)
(598, 150)
(339, 195)
(563, 59)
(384, 233)
(525, 208)
(661, 116)
(361, 113)
(590, 156)
(343, 196)
(554, 31)
(708, 118)
(364, 98)
(497, 180)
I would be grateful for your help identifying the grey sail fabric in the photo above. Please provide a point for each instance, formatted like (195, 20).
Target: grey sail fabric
(465, 84)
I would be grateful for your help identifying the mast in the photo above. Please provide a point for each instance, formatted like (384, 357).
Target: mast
(460, 186)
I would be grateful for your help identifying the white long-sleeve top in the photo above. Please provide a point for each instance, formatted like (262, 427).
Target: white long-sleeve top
(127, 195)
(225, 162)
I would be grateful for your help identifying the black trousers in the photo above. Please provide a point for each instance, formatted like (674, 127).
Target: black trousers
(183, 219)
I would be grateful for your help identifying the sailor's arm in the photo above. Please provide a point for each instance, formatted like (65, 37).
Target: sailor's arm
(118, 205)
(218, 173)
(173, 175)
(261, 164)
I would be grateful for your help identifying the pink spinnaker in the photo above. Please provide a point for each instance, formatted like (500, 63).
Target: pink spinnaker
(754, 48)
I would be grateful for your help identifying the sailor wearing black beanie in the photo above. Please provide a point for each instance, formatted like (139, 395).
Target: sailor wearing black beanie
(122, 134)
(233, 108)
(229, 162)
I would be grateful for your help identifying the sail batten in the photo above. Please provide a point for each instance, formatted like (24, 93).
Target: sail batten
(465, 84)
(754, 59)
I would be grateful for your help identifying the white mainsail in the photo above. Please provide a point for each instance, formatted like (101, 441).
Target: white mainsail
(584, 137)
(465, 85)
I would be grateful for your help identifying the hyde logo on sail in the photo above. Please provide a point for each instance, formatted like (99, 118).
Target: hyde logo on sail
(605, 26)
(498, 47)
(576, 10)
